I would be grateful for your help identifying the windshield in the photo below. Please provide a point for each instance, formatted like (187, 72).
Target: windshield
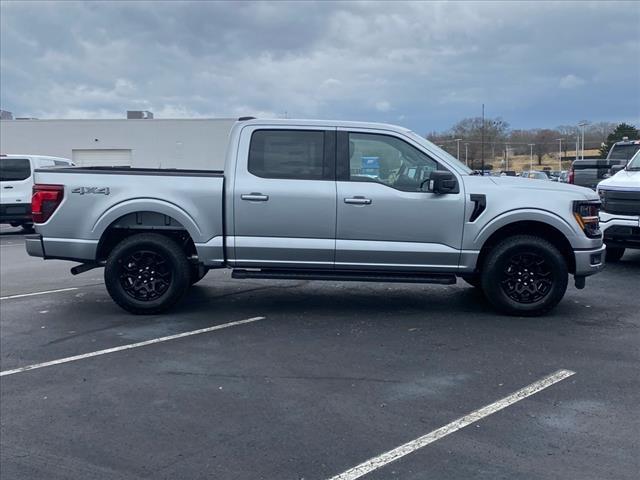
(634, 163)
(461, 167)
(623, 152)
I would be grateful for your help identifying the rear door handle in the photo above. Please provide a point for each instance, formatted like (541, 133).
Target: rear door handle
(8, 186)
(357, 200)
(254, 197)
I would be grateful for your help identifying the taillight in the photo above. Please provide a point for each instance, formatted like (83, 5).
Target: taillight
(572, 174)
(586, 214)
(45, 200)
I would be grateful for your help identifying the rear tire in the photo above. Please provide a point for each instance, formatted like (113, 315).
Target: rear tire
(524, 275)
(147, 273)
(614, 254)
(28, 228)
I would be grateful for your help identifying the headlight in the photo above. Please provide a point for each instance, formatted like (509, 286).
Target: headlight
(586, 214)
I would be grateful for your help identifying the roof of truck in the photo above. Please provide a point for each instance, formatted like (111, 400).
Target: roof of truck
(321, 123)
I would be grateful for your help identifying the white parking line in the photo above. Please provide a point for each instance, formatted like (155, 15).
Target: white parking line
(39, 293)
(129, 346)
(392, 455)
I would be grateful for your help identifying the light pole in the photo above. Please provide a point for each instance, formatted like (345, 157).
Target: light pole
(531, 145)
(466, 154)
(582, 125)
(559, 154)
(458, 142)
(506, 156)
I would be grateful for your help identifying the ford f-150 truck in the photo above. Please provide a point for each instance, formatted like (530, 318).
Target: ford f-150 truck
(321, 200)
(620, 213)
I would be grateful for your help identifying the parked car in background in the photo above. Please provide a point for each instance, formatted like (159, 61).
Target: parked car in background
(323, 200)
(16, 183)
(588, 172)
(535, 175)
(564, 176)
(620, 211)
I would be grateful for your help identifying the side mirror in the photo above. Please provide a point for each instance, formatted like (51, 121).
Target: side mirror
(616, 168)
(441, 182)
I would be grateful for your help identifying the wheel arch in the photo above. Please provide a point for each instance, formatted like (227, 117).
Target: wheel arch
(529, 227)
(159, 217)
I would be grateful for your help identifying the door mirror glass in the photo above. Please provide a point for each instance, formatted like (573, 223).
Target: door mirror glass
(441, 182)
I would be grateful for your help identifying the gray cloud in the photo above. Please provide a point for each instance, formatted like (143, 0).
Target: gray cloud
(423, 65)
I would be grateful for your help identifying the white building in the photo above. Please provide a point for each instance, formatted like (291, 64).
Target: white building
(152, 143)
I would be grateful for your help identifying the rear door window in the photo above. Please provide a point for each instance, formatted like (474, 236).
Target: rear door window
(14, 169)
(288, 154)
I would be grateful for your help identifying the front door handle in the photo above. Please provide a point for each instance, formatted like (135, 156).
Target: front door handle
(358, 200)
(254, 197)
(8, 186)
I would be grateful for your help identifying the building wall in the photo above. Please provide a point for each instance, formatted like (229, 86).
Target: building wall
(152, 143)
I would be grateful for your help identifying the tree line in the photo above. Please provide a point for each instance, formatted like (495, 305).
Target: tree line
(472, 142)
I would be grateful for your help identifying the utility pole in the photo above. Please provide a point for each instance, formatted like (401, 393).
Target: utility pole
(531, 145)
(458, 142)
(466, 154)
(559, 154)
(482, 142)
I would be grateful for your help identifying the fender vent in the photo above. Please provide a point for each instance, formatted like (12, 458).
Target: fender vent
(480, 205)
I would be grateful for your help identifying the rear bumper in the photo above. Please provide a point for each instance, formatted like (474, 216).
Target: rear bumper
(589, 262)
(34, 245)
(15, 212)
(61, 248)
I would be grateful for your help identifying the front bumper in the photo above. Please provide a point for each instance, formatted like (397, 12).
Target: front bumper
(620, 230)
(34, 245)
(589, 262)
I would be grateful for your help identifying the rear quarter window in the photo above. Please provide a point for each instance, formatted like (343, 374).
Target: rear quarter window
(14, 169)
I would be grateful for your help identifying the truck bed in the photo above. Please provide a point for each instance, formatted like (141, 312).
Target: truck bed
(97, 198)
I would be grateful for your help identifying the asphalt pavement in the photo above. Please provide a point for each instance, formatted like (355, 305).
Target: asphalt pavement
(326, 376)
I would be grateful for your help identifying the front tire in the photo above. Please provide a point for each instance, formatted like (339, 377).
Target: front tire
(524, 275)
(614, 254)
(198, 272)
(147, 273)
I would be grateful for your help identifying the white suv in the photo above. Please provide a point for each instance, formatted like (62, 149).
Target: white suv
(16, 183)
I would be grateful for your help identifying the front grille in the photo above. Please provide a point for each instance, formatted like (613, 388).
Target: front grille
(620, 202)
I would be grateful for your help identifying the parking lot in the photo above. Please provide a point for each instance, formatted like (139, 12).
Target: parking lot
(324, 376)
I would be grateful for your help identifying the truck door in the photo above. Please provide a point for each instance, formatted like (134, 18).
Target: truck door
(385, 221)
(284, 198)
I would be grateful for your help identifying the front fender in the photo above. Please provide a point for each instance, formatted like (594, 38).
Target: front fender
(476, 239)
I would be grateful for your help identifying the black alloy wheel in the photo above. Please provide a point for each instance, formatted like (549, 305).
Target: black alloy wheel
(527, 278)
(145, 275)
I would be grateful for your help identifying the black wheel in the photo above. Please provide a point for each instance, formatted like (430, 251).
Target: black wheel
(473, 280)
(27, 228)
(614, 254)
(198, 272)
(524, 275)
(147, 273)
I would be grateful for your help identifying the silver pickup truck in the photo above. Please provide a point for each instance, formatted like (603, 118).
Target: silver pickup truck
(321, 200)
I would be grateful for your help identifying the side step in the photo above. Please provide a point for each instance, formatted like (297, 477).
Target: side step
(347, 276)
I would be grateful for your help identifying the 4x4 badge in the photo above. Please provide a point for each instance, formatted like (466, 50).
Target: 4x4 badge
(88, 190)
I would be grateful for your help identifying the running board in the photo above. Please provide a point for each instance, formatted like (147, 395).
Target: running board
(347, 276)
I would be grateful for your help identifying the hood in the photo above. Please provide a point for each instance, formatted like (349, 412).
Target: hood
(542, 185)
(623, 180)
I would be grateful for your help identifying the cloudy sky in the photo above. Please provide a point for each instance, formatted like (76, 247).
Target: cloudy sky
(422, 65)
